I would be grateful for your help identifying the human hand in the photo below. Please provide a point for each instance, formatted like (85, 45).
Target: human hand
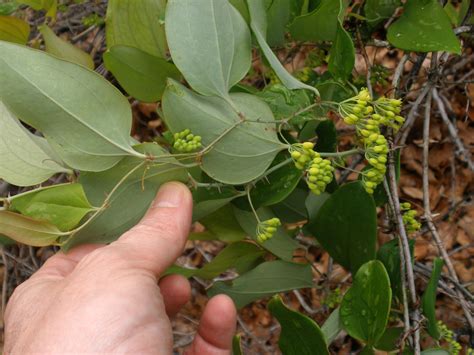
(107, 299)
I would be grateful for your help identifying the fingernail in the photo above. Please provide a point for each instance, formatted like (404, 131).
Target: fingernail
(170, 195)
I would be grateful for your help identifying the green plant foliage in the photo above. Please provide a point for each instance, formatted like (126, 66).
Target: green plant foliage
(61, 205)
(265, 280)
(299, 335)
(49, 5)
(64, 101)
(366, 305)
(346, 226)
(207, 201)
(27, 230)
(211, 67)
(223, 224)
(141, 74)
(319, 25)
(241, 255)
(423, 27)
(25, 159)
(428, 300)
(8, 8)
(291, 209)
(342, 54)
(327, 137)
(278, 14)
(258, 24)
(378, 10)
(389, 340)
(280, 244)
(63, 49)
(136, 23)
(14, 30)
(136, 193)
(438, 351)
(236, 346)
(332, 326)
(238, 156)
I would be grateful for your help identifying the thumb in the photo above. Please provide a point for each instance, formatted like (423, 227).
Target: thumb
(159, 238)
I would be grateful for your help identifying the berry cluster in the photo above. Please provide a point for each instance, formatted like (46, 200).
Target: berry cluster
(409, 220)
(368, 116)
(186, 142)
(318, 171)
(448, 335)
(266, 229)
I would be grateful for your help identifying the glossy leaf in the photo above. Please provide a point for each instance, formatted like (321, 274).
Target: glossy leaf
(280, 244)
(130, 201)
(207, 201)
(258, 23)
(137, 23)
(14, 30)
(141, 74)
(423, 27)
(234, 255)
(429, 299)
(318, 25)
(61, 205)
(27, 230)
(65, 101)
(210, 44)
(265, 280)
(346, 226)
(224, 225)
(238, 156)
(332, 326)
(25, 159)
(300, 335)
(63, 49)
(342, 54)
(366, 305)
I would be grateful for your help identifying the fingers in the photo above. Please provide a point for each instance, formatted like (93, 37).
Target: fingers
(159, 238)
(216, 329)
(176, 292)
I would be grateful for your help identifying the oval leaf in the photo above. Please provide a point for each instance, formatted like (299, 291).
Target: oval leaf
(61, 205)
(428, 300)
(142, 75)
(240, 155)
(63, 49)
(25, 159)
(265, 280)
(27, 230)
(137, 23)
(342, 54)
(210, 44)
(14, 30)
(423, 27)
(346, 226)
(366, 305)
(85, 118)
(300, 335)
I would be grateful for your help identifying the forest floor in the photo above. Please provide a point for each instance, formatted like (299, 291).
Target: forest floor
(450, 191)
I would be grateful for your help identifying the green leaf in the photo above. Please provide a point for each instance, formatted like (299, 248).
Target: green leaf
(438, 351)
(10, 7)
(278, 15)
(241, 6)
(233, 256)
(5, 241)
(379, 10)
(389, 340)
(25, 159)
(346, 226)
(265, 280)
(318, 25)
(258, 24)
(61, 205)
(224, 225)
(366, 305)
(332, 326)
(342, 54)
(130, 201)
(210, 44)
(314, 203)
(236, 346)
(238, 156)
(280, 244)
(137, 23)
(27, 230)
(327, 137)
(14, 30)
(49, 5)
(207, 201)
(65, 101)
(300, 335)
(291, 210)
(141, 74)
(63, 49)
(428, 300)
(389, 255)
(423, 27)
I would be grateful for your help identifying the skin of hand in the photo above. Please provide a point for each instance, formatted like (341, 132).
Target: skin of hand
(107, 299)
